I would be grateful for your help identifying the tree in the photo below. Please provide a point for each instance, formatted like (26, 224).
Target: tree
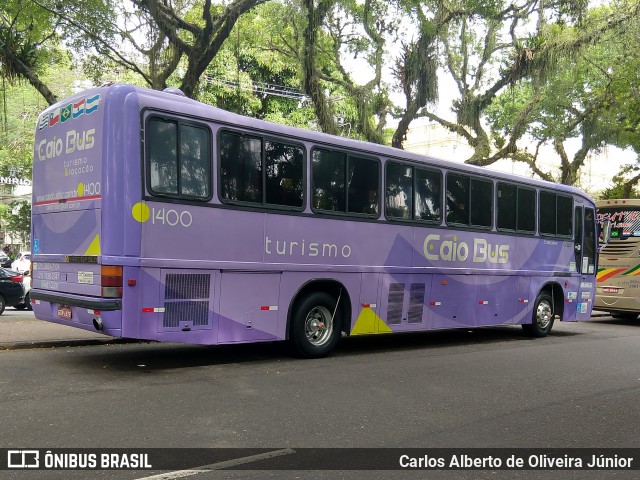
(584, 100)
(28, 43)
(486, 59)
(16, 220)
(256, 73)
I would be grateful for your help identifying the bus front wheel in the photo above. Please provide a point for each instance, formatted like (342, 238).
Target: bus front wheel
(316, 323)
(543, 316)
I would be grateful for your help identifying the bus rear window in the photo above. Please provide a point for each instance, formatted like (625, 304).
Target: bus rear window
(179, 159)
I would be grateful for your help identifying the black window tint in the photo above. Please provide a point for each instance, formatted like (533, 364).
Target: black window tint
(589, 246)
(577, 228)
(363, 185)
(548, 213)
(507, 195)
(457, 199)
(399, 190)
(428, 195)
(195, 169)
(163, 156)
(328, 172)
(284, 185)
(481, 203)
(241, 168)
(526, 210)
(564, 218)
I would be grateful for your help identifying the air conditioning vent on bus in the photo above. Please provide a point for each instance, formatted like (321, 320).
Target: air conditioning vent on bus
(186, 299)
(195, 312)
(395, 302)
(416, 302)
(187, 286)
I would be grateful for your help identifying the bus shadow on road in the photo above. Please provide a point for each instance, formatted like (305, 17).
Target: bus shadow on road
(150, 357)
(617, 321)
(440, 339)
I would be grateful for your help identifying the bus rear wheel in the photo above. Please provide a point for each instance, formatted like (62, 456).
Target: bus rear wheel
(543, 315)
(315, 328)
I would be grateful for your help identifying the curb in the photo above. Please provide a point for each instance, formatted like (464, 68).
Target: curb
(80, 342)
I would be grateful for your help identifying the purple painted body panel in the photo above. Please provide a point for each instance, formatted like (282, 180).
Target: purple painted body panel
(212, 274)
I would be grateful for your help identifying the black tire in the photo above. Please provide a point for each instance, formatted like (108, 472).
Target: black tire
(313, 333)
(542, 317)
(3, 304)
(26, 304)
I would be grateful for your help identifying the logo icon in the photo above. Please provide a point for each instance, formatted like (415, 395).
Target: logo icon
(23, 459)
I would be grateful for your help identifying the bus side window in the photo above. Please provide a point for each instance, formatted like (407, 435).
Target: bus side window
(428, 202)
(328, 180)
(526, 210)
(283, 167)
(457, 199)
(241, 168)
(507, 214)
(363, 184)
(162, 139)
(399, 191)
(195, 161)
(481, 199)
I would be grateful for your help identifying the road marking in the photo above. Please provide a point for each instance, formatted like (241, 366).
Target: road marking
(219, 465)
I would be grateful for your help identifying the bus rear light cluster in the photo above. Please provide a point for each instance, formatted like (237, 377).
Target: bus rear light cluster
(111, 281)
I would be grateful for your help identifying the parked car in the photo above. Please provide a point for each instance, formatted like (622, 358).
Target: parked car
(11, 289)
(22, 263)
(26, 284)
(5, 261)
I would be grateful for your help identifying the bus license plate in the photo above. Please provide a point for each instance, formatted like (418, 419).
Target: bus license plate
(609, 290)
(64, 312)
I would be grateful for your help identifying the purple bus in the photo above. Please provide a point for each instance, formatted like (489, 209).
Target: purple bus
(158, 217)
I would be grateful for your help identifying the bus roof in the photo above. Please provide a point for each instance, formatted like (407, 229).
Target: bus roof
(175, 100)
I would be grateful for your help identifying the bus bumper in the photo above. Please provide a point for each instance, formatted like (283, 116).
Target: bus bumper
(93, 314)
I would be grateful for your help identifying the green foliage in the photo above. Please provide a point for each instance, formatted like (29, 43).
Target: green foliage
(16, 219)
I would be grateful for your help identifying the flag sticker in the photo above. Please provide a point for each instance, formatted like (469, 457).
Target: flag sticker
(65, 113)
(84, 106)
(92, 104)
(44, 122)
(78, 108)
(54, 117)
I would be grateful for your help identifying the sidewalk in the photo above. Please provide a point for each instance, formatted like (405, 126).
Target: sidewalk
(21, 330)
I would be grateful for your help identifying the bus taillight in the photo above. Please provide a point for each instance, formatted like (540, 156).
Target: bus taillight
(111, 281)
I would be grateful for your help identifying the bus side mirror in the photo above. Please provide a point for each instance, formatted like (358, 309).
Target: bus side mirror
(606, 233)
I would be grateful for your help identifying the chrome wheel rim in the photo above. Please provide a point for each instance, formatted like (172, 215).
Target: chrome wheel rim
(318, 326)
(544, 314)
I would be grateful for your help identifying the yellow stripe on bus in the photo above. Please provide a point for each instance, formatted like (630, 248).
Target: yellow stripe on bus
(368, 322)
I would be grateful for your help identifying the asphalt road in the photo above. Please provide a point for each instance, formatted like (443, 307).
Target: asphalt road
(494, 388)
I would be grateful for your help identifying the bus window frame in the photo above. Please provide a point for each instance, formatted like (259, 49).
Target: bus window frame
(151, 115)
(556, 235)
(469, 225)
(260, 206)
(518, 187)
(348, 153)
(413, 220)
